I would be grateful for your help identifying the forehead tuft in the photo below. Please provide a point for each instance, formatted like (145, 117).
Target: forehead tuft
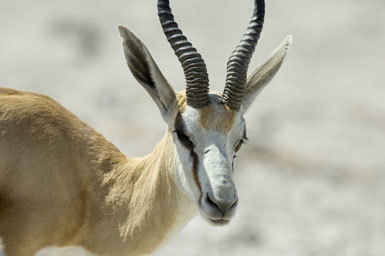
(181, 101)
(216, 116)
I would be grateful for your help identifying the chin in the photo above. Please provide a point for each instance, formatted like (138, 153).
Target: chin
(216, 218)
(216, 221)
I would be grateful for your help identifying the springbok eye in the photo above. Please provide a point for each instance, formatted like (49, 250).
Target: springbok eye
(184, 139)
(238, 146)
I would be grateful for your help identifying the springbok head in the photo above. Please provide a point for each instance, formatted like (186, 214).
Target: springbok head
(208, 127)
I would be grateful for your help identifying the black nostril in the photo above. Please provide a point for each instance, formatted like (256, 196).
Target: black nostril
(211, 202)
(221, 205)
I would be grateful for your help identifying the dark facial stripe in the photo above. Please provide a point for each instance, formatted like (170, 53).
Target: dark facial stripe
(195, 170)
(179, 122)
(179, 126)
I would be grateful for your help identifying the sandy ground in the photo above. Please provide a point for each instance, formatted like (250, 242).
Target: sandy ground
(310, 180)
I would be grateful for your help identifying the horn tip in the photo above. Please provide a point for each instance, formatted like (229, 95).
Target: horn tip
(288, 41)
(123, 31)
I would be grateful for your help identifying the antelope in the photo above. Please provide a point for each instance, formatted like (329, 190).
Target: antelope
(63, 184)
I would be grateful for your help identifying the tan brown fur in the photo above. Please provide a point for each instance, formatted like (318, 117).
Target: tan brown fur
(219, 119)
(181, 101)
(216, 119)
(62, 183)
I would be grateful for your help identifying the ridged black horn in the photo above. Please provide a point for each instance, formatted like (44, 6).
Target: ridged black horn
(194, 67)
(240, 58)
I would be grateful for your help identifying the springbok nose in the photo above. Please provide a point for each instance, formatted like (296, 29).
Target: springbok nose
(222, 205)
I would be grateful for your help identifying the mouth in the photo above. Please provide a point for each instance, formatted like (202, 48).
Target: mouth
(218, 222)
(213, 214)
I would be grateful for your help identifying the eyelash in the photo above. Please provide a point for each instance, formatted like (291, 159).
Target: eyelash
(239, 144)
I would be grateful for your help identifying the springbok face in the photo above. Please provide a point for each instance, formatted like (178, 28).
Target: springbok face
(208, 128)
(207, 140)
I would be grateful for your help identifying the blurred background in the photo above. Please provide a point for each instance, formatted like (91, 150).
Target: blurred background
(311, 178)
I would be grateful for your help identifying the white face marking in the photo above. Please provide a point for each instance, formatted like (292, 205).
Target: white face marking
(214, 137)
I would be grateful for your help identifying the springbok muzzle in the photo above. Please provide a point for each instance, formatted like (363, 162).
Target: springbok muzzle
(219, 196)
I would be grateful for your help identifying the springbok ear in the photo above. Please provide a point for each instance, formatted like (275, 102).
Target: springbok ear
(263, 74)
(147, 73)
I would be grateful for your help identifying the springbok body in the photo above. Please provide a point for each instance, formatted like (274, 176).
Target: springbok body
(64, 184)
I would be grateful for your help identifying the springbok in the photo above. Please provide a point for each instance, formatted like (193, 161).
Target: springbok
(64, 184)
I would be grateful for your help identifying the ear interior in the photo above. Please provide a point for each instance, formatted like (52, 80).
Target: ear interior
(264, 73)
(146, 72)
